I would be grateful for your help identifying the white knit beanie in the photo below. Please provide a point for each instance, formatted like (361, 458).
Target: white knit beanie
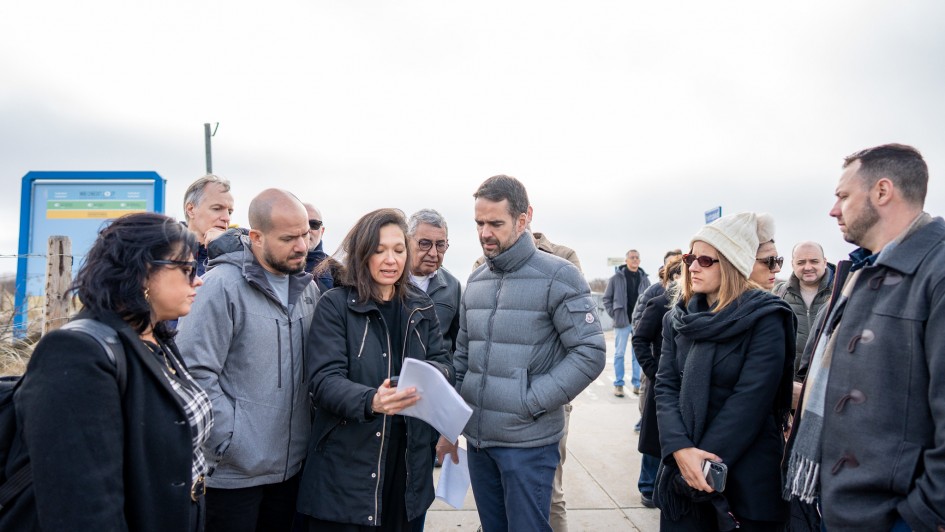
(737, 237)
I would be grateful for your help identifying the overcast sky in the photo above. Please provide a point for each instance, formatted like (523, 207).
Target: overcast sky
(625, 120)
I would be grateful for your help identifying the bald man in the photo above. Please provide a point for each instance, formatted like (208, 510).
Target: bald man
(807, 290)
(316, 253)
(243, 342)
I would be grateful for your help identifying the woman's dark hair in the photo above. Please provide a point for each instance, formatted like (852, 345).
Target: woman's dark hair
(116, 268)
(358, 247)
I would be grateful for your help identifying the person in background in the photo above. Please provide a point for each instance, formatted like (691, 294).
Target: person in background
(767, 262)
(723, 388)
(316, 254)
(208, 206)
(620, 297)
(647, 345)
(244, 343)
(807, 290)
(868, 440)
(107, 456)
(368, 468)
(428, 238)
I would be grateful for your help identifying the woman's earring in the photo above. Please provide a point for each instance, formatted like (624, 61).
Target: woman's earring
(147, 294)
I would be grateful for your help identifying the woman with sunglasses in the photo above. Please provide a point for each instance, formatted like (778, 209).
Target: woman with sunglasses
(113, 436)
(723, 388)
(767, 262)
(369, 469)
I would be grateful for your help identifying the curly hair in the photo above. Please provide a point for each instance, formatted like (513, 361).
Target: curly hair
(115, 270)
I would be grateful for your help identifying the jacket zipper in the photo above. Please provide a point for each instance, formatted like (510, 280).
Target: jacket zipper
(288, 445)
(380, 450)
(485, 364)
(403, 355)
(279, 350)
(364, 336)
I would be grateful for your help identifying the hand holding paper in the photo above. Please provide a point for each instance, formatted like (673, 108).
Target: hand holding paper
(439, 404)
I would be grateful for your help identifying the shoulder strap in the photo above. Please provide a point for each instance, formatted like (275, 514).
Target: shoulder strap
(106, 337)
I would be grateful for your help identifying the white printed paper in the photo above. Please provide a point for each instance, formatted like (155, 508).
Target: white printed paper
(439, 404)
(454, 480)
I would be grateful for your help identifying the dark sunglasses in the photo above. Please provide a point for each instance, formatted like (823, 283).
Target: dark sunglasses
(314, 225)
(189, 267)
(771, 261)
(703, 261)
(425, 245)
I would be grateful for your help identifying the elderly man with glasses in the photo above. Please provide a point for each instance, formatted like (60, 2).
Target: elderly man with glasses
(427, 236)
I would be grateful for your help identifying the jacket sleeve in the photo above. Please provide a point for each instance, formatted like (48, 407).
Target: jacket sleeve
(204, 337)
(924, 506)
(574, 315)
(742, 416)
(437, 354)
(461, 355)
(673, 435)
(70, 409)
(328, 355)
(609, 298)
(645, 332)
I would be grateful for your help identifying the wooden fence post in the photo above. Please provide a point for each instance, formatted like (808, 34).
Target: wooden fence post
(58, 279)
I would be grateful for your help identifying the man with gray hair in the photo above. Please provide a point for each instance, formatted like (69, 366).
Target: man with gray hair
(242, 342)
(428, 237)
(208, 206)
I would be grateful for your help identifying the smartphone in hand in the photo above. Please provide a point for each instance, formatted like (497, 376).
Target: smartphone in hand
(393, 381)
(716, 473)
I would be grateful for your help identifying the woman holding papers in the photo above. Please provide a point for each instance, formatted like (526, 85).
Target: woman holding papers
(368, 468)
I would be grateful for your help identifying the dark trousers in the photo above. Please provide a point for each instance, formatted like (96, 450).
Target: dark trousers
(270, 507)
(512, 486)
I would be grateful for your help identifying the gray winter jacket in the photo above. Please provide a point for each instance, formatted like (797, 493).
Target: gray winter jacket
(246, 350)
(883, 450)
(790, 290)
(615, 296)
(529, 342)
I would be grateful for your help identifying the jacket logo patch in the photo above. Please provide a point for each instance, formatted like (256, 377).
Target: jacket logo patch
(589, 318)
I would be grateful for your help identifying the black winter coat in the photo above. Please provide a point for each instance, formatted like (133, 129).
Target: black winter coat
(348, 357)
(647, 347)
(101, 461)
(742, 425)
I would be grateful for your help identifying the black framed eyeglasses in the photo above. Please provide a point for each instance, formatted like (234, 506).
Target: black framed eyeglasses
(183, 265)
(770, 262)
(425, 244)
(314, 225)
(703, 260)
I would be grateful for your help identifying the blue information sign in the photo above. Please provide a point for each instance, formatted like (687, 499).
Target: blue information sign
(77, 205)
(713, 214)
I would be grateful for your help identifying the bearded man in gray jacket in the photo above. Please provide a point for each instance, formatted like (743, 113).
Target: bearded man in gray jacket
(529, 342)
(242, 342)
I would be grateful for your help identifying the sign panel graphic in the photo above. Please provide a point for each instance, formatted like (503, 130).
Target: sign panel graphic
(77, 205)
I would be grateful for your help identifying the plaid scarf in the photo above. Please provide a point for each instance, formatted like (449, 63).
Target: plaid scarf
(803, 474)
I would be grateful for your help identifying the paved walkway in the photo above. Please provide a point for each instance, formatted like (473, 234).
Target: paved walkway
(600, 474)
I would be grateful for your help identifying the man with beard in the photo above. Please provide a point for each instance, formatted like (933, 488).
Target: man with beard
(242, 342)
(529, 342)
(869, 438)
